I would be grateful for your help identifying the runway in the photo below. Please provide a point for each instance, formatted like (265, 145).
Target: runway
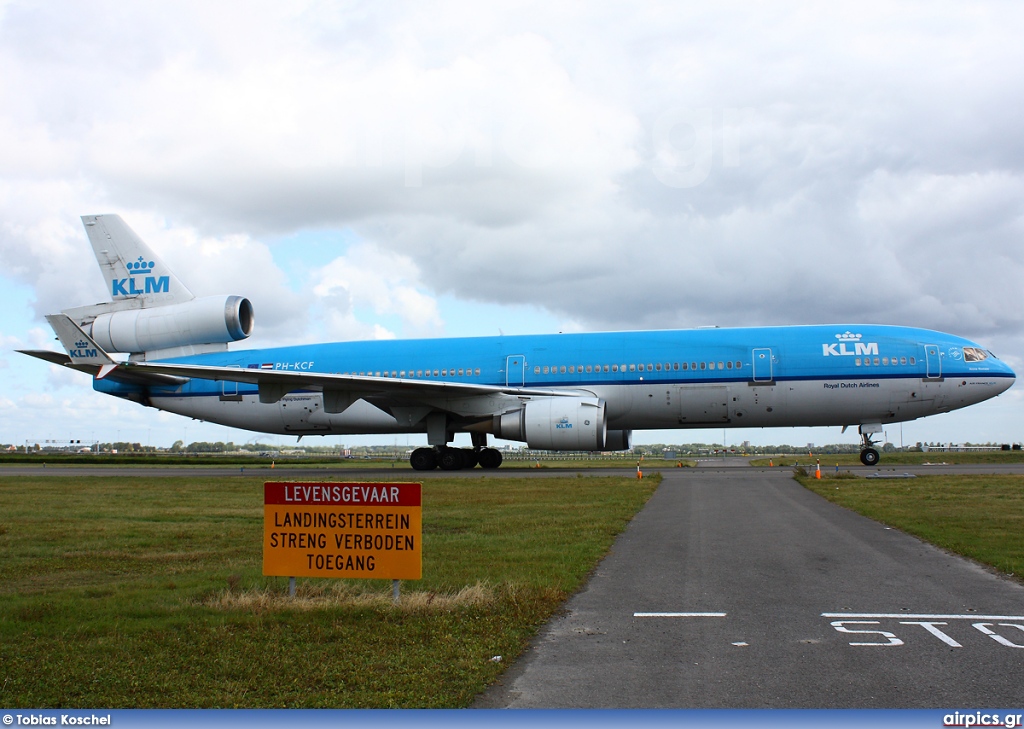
(738, 588)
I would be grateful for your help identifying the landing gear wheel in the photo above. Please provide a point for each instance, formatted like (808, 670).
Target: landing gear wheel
(469, 458)
(869, 457)
(450, 459)
(489, 458)
(423, 459)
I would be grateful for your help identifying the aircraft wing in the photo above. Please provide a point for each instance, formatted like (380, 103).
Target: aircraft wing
(339, 390)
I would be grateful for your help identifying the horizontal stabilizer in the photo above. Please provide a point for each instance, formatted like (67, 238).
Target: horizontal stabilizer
(85, 355)
(80, 346)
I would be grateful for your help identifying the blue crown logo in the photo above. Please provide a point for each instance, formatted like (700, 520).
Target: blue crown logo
(848, 337)
(81, 344)
(140, 267)
(564, 420)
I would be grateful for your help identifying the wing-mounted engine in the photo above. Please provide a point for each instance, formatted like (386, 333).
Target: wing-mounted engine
(557, 424)
(199, 325)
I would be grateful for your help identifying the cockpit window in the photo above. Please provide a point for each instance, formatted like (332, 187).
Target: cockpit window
(973, 354)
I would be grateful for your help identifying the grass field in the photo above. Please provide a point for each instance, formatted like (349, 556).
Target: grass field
(980, 517)
(148, 592)
(898, 458)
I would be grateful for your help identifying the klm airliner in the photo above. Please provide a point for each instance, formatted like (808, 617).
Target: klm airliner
(577, 392)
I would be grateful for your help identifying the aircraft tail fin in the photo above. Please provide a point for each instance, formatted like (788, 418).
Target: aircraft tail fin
(81, 348)
(133, 271)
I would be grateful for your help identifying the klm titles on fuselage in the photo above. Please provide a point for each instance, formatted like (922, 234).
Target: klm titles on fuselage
(860, 349)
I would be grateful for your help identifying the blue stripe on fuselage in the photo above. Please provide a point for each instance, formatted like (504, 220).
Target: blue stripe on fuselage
(843, 352)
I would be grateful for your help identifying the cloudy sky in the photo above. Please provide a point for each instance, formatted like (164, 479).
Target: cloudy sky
(391, 169)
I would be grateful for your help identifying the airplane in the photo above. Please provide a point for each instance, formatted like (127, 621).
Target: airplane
(559, 392)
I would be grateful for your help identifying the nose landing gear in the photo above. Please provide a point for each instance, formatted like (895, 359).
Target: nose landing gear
(868, 454)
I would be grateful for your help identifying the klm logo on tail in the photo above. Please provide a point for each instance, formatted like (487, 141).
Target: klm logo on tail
(140, 271)
(81, 350)
(842, 347)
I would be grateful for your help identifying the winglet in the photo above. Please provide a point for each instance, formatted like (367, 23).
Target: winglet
(80, 346)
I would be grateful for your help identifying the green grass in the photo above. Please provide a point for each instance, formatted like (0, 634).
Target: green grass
(897, 458)
(148, 592)
(980, 517)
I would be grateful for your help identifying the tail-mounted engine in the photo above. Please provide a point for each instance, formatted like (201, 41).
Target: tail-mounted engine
(208, 320)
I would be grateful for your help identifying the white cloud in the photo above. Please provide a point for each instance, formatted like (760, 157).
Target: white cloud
(619, 166)
(385, 282)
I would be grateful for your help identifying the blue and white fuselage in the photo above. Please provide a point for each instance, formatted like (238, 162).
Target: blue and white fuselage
(757, 377)
(555, 391)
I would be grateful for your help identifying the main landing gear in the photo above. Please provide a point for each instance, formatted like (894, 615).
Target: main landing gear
(454, 459)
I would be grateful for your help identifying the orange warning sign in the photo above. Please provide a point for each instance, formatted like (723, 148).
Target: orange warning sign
(359, 530)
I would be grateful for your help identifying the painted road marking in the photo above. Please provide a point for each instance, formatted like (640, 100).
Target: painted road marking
(679, 615)
(984, 624)
(996, 627)
(913, 616)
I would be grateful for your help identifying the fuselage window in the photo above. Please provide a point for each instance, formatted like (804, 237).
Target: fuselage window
(856, 362)
(572, 369)
(903, 360)
(562, 369)
(546, 369)
(675, 365)
(703, 365)
(658, 366)
(444, 372)
(693, 365)
(711, 365)
(605, 368)
(589, 368)
(650, 367)
(402, 373)
(686, 366)
(728, 365)
(477, 372)
(615, 368)
(721, 365)
(876, 361)
(536, 370)
(739, 365)
(632, 368)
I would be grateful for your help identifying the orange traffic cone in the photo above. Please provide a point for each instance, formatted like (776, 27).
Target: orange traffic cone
(817, 471)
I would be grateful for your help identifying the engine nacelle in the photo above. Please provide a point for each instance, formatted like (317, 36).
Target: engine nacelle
(209, 320)
(557, 424)
(619, 440)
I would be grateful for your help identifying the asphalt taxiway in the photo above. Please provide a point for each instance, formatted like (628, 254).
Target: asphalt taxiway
(739, 588)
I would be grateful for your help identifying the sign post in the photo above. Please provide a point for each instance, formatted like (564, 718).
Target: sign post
(355, 530)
